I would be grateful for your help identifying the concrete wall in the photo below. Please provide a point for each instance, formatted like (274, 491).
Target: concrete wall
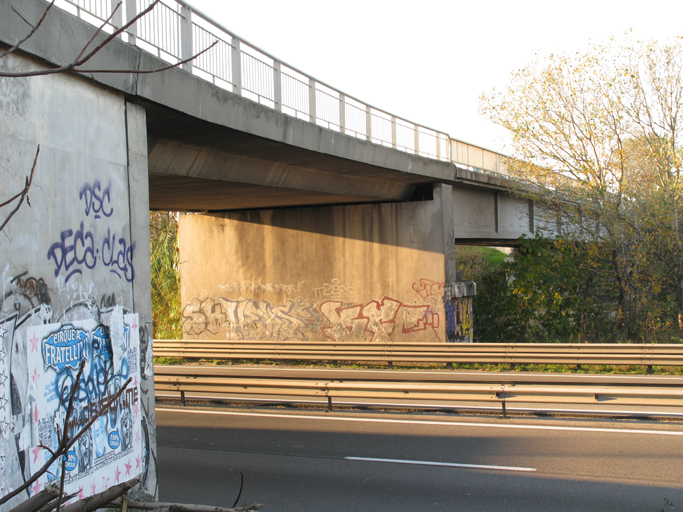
(371, 273)
(489, 214)
(82, 244)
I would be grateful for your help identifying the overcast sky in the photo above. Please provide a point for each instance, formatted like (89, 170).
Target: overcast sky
(428, 61)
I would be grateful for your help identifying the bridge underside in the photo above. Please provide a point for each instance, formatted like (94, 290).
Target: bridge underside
(195, 165)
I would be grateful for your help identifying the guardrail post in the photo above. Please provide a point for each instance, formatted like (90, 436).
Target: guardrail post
(277, 85)
(131, 12)
(438, 146)
(186, 36)
(329, 403)
(311, 100)
(417, 140)
(393, 132)
(368, 122)
(182, 398)
(236, 58)
(342, 113)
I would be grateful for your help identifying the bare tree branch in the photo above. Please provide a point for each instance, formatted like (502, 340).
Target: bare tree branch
(23, 194)
(35, 29)
(81, 59)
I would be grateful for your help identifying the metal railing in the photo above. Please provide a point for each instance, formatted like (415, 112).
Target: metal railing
(484, 353)
(206, 382)
(174, 31)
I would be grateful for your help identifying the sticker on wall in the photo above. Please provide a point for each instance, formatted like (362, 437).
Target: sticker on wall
(110, 451)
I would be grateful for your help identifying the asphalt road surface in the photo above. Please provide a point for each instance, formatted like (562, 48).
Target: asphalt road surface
(312, 460)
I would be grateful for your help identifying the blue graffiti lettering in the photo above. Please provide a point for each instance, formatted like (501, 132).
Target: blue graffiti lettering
(94, 200)
(80, 252)
(123, 261)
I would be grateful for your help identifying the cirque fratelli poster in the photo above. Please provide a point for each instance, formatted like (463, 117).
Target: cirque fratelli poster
(110, 451)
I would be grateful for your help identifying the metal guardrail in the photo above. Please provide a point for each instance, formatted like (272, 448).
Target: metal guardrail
(211, 381)
(175, 31)
(493, 353)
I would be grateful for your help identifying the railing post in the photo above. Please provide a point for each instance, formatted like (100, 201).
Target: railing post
(131, 12)
(186, 36)
(438, 146)
(277, 85)
(236, 66)
(342, 112)
(417, 140)
(393, 132)
(368, 122)
(311, 100)
(117, 20)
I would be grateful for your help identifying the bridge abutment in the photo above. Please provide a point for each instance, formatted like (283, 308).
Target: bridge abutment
(363, 273)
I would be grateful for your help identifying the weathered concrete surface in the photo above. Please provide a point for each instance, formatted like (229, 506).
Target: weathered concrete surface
(344, 273)
(82, 245)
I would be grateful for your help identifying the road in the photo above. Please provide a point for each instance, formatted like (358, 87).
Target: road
(312, 460)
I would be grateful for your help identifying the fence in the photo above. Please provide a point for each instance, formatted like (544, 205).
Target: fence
(174, 31)
(492, 353)
(207, 382)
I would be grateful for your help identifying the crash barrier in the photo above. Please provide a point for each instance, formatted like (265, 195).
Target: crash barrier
(502, 389)
(485, 353)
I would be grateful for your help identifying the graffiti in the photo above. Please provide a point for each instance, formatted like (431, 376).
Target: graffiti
(376, 321)
(109, 354)
(428, 288)
(249, 319)
(95, 200)
(334, 290)
(107, 301)
(78, 249)
(459, 326)
(262, 287)
(380, 321)
(26, 293)
(83, 253)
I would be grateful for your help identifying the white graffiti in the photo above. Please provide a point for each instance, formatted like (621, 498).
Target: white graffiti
(334, 290)
(262, 287)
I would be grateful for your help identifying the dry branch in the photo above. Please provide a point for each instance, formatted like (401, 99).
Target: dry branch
(84, 57)
(38, 500)
(66, 443)
(23, 194)
(182, 507)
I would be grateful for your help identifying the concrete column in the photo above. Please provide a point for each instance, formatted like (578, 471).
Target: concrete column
(236, 66)
(131, 12)
(138, 197)
(312, 101)
(277, 85)
(186, 36)
(342, 112)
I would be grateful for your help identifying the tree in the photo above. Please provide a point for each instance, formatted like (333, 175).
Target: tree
(596, 140)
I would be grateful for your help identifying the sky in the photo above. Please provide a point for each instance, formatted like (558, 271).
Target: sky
(428, 61)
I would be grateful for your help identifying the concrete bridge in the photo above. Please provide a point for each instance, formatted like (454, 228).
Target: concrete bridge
(319, 217)
(281, 164)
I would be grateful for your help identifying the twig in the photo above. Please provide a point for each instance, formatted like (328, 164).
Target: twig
(80, 59)
(64, 449)
(101, 499)
(182, 507)
(37, 501)
(40, 22)
(23, 193)
(241, 487)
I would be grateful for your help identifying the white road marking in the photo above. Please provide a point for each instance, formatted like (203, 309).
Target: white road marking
(424, 422)
(447, 464)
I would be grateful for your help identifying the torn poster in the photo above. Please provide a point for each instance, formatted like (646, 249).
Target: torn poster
(110, 451)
